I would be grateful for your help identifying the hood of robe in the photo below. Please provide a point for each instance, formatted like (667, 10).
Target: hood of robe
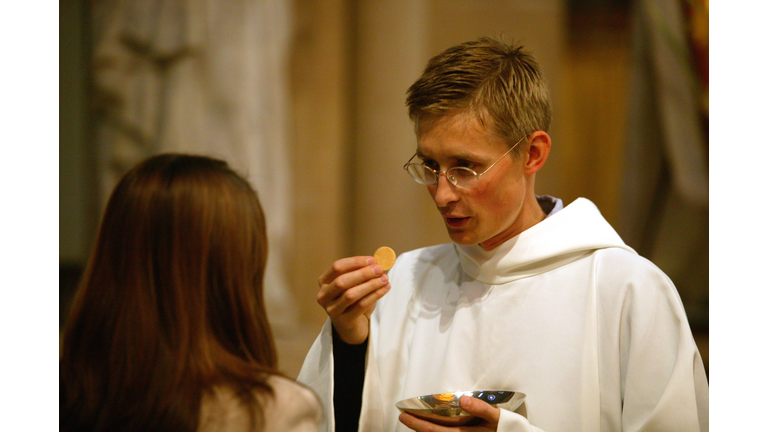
(561, 238)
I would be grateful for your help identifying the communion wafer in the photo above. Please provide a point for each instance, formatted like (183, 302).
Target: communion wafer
(445, 397)
(385, 257)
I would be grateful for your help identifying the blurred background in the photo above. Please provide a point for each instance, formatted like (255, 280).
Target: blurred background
(306, 98)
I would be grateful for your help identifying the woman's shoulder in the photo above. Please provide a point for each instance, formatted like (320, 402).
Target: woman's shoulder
(290, 407)
(290, 392)
(293, 407)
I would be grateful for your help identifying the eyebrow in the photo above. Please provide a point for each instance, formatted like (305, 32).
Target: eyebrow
(455, 157)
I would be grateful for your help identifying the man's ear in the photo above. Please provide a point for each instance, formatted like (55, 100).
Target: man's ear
(538, 151)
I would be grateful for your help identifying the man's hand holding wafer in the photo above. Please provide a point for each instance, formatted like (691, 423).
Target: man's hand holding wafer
(349, 290)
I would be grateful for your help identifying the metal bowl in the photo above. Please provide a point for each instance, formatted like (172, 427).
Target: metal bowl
(444, 409)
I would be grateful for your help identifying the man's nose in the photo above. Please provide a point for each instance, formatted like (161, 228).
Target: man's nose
(444, 192)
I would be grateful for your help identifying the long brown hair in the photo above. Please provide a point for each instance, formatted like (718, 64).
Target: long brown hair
(171, 301)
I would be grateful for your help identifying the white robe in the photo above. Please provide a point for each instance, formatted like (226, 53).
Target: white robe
(593, 334)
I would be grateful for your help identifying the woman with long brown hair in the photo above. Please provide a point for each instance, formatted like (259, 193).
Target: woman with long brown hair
(168, 330)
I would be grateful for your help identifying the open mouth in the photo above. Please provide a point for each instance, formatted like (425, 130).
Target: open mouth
(456, 222)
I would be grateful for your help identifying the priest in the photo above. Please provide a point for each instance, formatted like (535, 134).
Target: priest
(530, 295)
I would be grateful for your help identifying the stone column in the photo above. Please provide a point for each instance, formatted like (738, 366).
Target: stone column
(204, 77)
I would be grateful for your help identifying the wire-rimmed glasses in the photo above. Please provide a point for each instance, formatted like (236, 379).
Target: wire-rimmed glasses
(461, 177)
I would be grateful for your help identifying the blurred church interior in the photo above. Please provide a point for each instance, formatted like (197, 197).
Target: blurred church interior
(306, 97)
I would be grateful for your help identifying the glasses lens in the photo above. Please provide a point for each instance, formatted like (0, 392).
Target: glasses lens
(421, 174)
(462, 177)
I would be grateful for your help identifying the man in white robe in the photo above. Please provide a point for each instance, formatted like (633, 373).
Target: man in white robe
(530, 296)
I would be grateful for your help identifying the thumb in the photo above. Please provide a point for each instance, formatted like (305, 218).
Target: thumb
(480, 408)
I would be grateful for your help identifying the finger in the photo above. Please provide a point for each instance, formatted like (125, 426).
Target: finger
(359, 298)
(370, 300)
(345, 265)
(480, 408)
(417, 424)
(352, 286)
(368, 303)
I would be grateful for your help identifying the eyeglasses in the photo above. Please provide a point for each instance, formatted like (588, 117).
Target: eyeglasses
(461, 177)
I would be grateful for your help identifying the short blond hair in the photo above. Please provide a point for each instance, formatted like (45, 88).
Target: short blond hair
(500, 84)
